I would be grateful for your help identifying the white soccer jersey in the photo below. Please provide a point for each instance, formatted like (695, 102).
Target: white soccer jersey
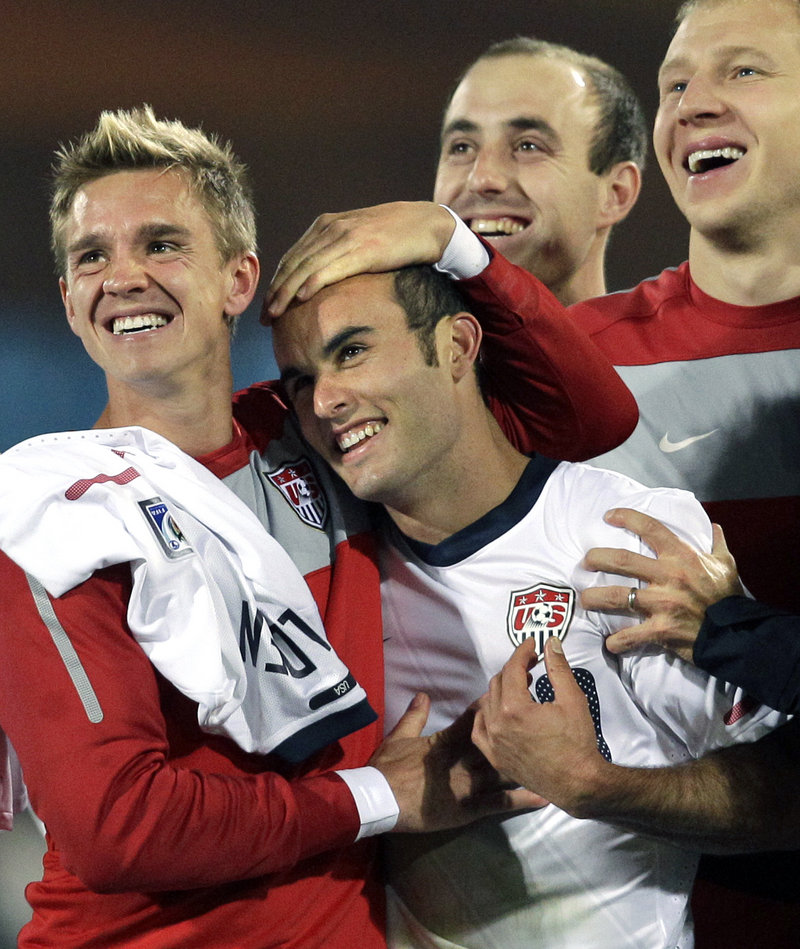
(452, 615)
(216, 603)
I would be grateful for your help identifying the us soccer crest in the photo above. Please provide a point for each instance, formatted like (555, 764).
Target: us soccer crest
(542, 611)
(298, 484)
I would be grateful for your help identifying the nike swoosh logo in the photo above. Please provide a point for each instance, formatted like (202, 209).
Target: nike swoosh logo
(667, 446)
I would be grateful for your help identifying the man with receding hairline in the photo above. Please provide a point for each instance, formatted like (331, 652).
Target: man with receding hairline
(542, 152)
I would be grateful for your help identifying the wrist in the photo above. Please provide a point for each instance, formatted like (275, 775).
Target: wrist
(596, 790)
(464, 256)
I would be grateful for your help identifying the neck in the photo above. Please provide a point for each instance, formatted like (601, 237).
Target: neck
(455, 495)
(588, 281)
(197, 420)
(756, 274)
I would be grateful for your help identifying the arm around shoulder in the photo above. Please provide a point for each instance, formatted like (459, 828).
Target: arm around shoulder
(134, 796)
(725, 802)
(552, 389)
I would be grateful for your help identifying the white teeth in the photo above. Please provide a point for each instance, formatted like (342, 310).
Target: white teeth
(697, 159)
(130, 324)
(502, 225)
(351, 439)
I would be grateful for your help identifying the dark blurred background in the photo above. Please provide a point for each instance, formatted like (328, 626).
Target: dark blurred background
(333, 105)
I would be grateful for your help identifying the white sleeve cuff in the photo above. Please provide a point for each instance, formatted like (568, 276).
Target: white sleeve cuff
(464, 255)
(374, 799)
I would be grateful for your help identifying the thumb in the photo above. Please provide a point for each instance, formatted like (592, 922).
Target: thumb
(720, 548)
(558, 669)
(414, 718)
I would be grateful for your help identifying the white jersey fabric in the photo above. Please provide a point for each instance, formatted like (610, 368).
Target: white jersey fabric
(453, 613)
(217, 604)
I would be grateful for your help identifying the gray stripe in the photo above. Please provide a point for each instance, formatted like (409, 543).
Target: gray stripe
(724, 428)
(66, 650)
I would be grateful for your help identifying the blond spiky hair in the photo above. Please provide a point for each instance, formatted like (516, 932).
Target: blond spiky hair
(131, 140)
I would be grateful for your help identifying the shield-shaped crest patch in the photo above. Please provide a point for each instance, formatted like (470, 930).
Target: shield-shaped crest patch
(542, 611)
(298, 484)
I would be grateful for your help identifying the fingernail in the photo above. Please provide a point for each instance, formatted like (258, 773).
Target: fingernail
(556, 645)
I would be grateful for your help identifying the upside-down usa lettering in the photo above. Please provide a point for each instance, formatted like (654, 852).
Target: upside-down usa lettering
(294, 660)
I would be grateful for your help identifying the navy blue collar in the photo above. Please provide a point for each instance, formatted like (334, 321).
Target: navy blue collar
(493, 524)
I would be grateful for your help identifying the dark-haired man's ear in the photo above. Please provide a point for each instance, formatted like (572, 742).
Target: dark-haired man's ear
(465, 343)
(623, 184)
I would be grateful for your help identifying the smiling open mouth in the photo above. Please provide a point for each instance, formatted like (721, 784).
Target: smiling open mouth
(497, 227)
(710, 158)
(355, 437)
(124, 325)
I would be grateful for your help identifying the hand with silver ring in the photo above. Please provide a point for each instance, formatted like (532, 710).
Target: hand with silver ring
(632, 599)
(680, 582)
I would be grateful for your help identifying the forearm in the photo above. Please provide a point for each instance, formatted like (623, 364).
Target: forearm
(737, 799)
(550, 387)
(135, 797)
(725, 802)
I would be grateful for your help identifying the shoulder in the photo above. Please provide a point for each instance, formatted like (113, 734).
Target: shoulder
(105, 593)
(581, 494)
(641, 303)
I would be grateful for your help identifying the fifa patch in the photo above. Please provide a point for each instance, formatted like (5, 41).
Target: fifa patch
(170, 536)
(298, 484)
(543, 610)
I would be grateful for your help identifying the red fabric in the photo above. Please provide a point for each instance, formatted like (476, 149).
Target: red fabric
(160, 835)
(763, 534)
(552, 389)
(654, 322)
(669, 319)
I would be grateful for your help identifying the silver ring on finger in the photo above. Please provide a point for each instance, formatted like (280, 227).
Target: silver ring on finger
(632, 599)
